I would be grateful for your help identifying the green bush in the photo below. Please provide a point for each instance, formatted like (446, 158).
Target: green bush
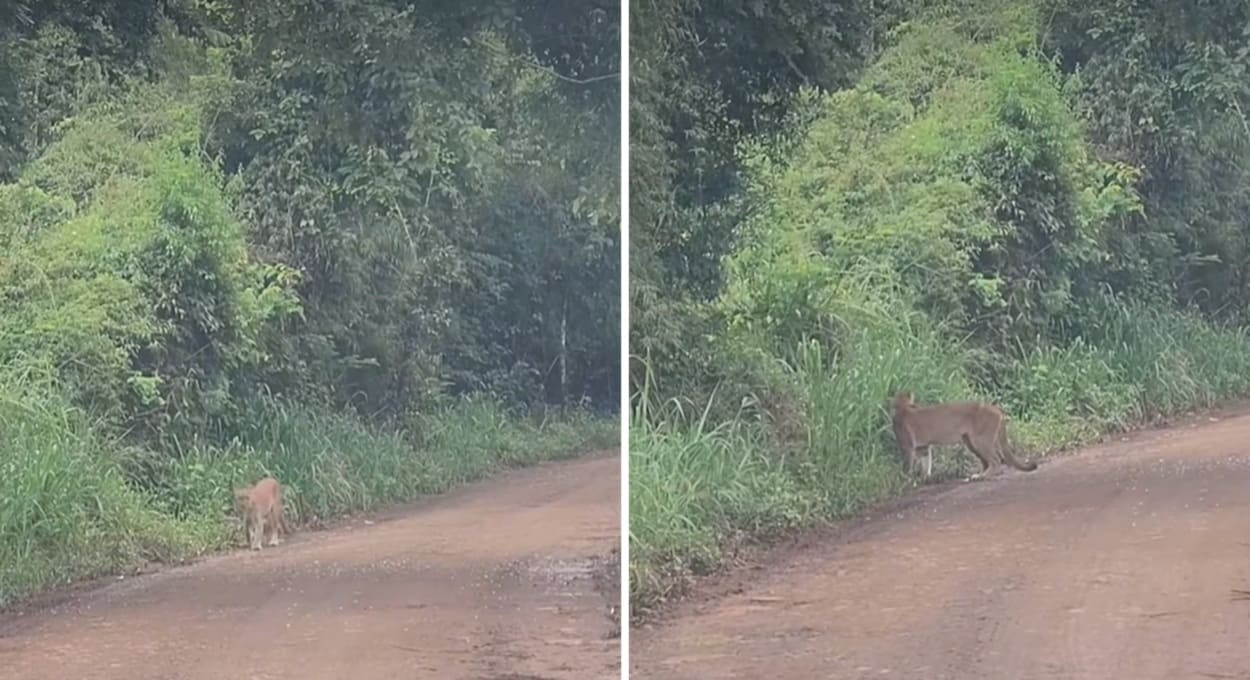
(134, 288)
(965, 177)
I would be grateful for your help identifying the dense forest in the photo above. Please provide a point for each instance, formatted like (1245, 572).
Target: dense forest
(1039, 202)
(371, 247)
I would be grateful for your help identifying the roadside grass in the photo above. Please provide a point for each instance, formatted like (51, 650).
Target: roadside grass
(66, 512)
(699, 488)
(75, 504)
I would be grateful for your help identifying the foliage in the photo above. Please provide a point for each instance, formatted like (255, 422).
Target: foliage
(436, 162)
(56, 56)
(398, 168)
(141, 299)
(1163, 86)
(705, 77)
(965, 177)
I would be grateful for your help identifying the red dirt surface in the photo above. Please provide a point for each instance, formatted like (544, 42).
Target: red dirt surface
(491, 582)
(1124, 561)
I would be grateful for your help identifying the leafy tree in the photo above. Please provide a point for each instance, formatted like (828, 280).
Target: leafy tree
(437, 183)
(1164, 86)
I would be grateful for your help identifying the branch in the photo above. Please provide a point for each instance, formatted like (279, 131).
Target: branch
(795, 67)
(548, 70)
(568, 79)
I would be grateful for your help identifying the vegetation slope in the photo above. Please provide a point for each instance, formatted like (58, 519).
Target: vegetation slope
(1039, 202)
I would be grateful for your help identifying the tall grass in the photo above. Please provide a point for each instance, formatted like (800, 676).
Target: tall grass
(65, 511)
(699, 488)
(695, 488)
(334, 464)
(75, 504)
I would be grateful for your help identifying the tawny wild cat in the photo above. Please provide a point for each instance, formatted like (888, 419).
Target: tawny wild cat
(261, 507)
(979, 426)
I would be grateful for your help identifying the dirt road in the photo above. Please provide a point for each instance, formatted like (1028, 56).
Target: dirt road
(491, 581)
(1118, 562)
